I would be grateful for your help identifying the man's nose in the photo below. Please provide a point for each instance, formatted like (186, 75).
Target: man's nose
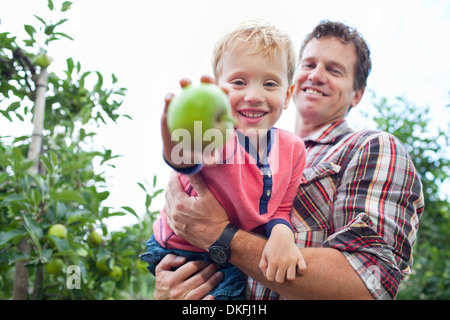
(318, 75)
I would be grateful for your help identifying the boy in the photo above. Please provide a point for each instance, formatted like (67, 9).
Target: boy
(255, 64)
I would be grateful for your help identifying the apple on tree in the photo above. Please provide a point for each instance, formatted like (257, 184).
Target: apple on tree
(54, 266)
(43, 60)
(58, 230)
(94, 239)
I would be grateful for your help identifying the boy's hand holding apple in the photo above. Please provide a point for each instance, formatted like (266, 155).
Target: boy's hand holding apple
(201, 117)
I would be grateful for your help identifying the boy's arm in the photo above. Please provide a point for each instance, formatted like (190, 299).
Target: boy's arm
(281, 259)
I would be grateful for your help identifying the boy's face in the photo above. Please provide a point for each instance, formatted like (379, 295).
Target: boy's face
(257, 84)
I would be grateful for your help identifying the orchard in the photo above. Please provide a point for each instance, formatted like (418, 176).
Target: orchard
(52, 212)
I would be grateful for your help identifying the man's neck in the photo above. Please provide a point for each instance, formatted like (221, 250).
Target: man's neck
(305, 129)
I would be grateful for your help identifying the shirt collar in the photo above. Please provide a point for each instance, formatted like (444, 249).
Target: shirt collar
(247, 144)
(330, 132)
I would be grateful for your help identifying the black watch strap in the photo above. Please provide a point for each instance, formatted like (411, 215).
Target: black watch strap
(227, 234)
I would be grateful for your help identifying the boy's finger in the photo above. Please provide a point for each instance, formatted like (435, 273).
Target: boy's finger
(281, 275)
(185, 82)
(301, 267)
(207, 79)
(291, 272)
(263, 266)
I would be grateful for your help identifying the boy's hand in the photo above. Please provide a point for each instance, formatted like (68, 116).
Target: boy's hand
(168, 144)
(281, 259)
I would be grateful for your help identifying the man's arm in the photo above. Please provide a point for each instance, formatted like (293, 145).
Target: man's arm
(328, 274)
(201, 220)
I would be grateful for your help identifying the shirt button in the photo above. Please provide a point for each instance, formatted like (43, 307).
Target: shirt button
(268, 193)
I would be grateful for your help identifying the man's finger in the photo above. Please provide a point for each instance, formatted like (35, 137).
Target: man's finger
(169, 262)
(198, 183)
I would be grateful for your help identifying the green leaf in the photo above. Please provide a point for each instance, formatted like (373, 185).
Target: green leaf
(6, 236)
(70, 66)
(142, 186)
(64, 35)
(11, 199)
(130, 210)
(34, 231)
(36, 197)
(30, 30)
(66, 6)
(50, 5)
(41, 20)
(70, 195)
(99, 84)
(47, 164)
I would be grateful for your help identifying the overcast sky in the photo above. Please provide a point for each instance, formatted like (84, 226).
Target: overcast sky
(150, 45)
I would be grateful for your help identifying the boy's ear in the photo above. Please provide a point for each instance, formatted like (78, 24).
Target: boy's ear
(288, 96)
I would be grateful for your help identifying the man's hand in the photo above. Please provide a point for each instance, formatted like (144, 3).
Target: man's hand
(199, 220)
(191, 281)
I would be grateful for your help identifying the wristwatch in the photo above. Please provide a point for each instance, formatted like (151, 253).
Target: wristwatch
(219, 251)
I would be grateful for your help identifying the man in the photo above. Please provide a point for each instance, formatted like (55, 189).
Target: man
(357, 208)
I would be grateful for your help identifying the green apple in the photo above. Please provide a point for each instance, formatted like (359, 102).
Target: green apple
(104, 265)
(198, 109)
(54, 266)
(58, 230)
(43, 60)
(141, 266)
(116, 273)
(94, 239)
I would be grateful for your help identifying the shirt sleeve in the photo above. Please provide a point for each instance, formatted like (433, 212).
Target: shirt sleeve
(189, 170)
(380, 199)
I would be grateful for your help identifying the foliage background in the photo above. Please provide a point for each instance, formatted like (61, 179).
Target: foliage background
(71, 188)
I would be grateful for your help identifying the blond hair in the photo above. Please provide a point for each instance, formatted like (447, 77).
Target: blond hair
(261, 37)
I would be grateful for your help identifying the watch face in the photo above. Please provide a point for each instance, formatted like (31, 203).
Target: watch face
(218, 255)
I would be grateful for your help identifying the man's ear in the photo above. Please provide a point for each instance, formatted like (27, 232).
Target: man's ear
(288, 97)
(357, 98)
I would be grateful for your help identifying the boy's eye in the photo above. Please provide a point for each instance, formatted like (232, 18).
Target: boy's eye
(270, 84)
(238, 82)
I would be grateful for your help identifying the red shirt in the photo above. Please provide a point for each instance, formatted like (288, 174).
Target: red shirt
(256, 193)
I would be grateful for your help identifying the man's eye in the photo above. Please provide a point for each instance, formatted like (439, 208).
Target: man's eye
(336, 71)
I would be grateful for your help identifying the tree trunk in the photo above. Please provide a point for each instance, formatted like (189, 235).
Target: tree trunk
(20, 290)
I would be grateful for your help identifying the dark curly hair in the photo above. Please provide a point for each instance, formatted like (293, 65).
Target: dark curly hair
(347, 35)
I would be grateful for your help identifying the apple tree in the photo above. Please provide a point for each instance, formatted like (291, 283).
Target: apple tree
(54, 239)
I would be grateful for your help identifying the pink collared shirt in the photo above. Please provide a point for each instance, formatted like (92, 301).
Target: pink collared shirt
(256, 193)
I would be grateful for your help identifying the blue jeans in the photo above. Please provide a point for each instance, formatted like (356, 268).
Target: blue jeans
(230, 288)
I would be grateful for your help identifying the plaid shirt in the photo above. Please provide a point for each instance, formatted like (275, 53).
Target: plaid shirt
(359, 194)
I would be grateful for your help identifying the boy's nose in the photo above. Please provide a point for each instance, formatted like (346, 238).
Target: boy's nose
(253, 95)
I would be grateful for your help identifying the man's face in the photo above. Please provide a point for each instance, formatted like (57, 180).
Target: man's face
(323, 81)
